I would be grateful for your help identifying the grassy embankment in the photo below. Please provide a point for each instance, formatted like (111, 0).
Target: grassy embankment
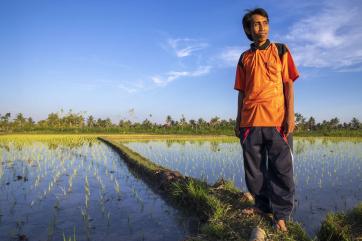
(218, 206)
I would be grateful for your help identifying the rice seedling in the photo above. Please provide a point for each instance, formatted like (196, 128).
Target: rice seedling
(70, 183)
(51, 228)
(117, 188)
(86, 221)
(70, 238)
(108, 218)
(86, 186)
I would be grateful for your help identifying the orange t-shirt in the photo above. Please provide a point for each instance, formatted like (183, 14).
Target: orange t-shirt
(260, 74)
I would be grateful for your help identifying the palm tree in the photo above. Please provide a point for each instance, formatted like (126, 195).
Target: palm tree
(182, 122)
(201, 123)
(90, 121)
(146, 124)
(192, 124)
(355, 124)
(299, 121)
(53, 120)
(20, 120)
(169, 121)
(334, 123)
(4, 124)
(108, 123)
(29, 123)
(311, 123)
(214, 121)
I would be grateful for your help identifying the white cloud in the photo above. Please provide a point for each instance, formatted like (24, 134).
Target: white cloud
(173, 75)
(184, 47)
(127, 88)
(330, 38)
(202, 70)
(356, 68)
(230, 55)
(131, 87)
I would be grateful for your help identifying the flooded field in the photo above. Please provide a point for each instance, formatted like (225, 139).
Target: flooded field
(327, 171)
(78, 189)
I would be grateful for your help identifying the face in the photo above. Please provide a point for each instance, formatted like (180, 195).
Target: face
(259, 28)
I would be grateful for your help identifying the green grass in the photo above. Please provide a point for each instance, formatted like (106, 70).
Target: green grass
(342, 226)
(218, 207)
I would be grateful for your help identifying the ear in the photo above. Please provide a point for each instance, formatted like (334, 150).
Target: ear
(247, 30)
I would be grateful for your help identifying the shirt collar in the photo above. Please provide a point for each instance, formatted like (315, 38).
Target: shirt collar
(262, 47)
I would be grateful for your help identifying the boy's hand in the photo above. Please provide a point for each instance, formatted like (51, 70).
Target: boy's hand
(237, 131)
(237, 126)
(288, 127)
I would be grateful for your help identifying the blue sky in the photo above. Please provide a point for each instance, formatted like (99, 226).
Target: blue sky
(133, 59)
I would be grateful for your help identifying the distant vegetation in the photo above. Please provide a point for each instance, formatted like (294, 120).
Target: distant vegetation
(79, 123)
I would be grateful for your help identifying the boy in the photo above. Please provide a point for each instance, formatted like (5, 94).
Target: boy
(265, 119)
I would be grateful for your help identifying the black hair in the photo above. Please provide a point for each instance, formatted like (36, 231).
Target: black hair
(247, 19)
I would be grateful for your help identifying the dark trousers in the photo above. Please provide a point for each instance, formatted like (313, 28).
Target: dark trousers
(268, 164)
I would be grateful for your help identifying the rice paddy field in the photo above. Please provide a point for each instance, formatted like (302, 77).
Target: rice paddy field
(327, 171)
(69, 187)
(77, 188)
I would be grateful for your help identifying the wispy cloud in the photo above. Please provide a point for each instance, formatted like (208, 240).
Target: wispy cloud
(131, 87)
(165, 79)
(128, 89)
(330, 38)
(230, 55)
(184, 47)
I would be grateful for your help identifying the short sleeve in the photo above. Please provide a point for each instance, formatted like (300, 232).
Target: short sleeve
(289, 70)
(240, 78)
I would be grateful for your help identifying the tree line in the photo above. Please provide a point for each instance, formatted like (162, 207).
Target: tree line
(79, 123)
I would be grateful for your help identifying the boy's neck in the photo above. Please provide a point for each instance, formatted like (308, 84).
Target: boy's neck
(258, 44)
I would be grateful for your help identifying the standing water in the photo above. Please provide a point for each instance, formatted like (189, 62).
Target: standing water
(327, 172)
(53, 191)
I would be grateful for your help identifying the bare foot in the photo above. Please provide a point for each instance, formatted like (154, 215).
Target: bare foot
(281, 225)
(247, 197)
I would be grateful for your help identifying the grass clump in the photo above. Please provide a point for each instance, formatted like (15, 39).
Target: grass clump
(230, 186)
(334, 228)
(342, 226)
(197, 195)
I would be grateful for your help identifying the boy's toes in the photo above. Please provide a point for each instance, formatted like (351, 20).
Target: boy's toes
(280, 225)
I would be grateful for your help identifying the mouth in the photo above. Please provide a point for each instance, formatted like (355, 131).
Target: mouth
(262, 35)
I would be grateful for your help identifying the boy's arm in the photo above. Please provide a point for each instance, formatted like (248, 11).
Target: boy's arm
(289, 75)
(289, 124)
(238, 117)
